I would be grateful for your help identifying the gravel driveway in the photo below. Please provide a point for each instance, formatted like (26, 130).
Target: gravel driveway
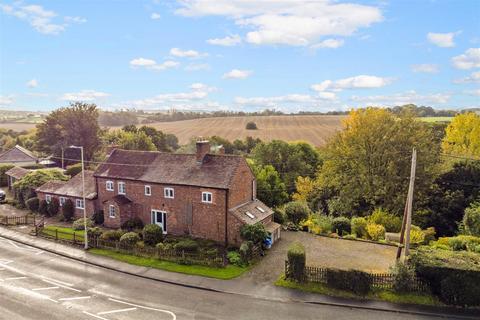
(323, 251)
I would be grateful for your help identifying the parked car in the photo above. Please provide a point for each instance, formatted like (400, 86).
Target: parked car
(3, 195)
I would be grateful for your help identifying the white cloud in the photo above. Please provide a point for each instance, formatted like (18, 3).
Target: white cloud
(40, 19)
(444, 40)
(84, 95)
(469, 60)
(288, 22)
(473, 77)
(475, 92)
(197, 67)
(237, 74)
(305, 100)
(402, 99)
(425, 68)
(186, 53)
(329, 43)
(32, 83)
(155, 16)
(152, 64)
(357, 82)
(228, 41)
(6, 100)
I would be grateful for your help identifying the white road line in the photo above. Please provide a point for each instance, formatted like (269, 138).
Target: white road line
(116, 311)
(144, 307)
(58, 281)
(15, 278)
(61, 286)
(14, 244)
(94, 315)
(74, 298)
(53, 300)
(46, 288)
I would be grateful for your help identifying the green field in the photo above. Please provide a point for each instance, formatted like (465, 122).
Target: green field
(436, 119)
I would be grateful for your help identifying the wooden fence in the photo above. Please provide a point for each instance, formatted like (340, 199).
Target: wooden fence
(75, 238)
(21, 220)
(378, 280)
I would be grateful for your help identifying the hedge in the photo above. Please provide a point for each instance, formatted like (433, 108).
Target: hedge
(356, 281)
(296, 261)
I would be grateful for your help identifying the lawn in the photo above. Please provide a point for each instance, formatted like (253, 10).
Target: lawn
(375, 294)
(64, 233)
(229, 272)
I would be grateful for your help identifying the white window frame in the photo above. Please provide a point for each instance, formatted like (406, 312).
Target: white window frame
(149, 188)
(109, 186)
(169, 193)
(162, 225)
(206, 195)
(111, 211)
(124, 188)
(77, 201)
(62, 201)
(48, 198)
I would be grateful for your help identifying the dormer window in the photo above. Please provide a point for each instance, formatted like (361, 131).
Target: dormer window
(168, 193)
(121, 188)
(207, 197)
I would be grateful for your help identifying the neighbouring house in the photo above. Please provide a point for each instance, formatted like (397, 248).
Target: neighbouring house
(203, 195)
(14, 174)
(18, 156)
(72, 189)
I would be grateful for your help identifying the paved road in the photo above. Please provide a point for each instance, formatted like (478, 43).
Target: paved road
(39, 285)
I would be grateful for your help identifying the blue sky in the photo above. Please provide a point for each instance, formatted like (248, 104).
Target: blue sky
(239, 55)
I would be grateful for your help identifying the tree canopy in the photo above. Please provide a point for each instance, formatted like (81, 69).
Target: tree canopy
(270, 188)
(463, 135)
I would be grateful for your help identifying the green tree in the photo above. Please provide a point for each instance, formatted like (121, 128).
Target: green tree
(254, 232)
(471, 219)
(270, 188)
(35, 179)
(159, 139)
(463, 135)
(68, 210)
(297, 211)
(74, 125)
(134, 141)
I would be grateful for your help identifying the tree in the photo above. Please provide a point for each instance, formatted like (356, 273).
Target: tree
(251, 126)
(135, 141)
(367, 164)
(471, 219)
(159, 139)
(297, 211)
(73, 170)
(26, 186)
(463, 135)
(270, 188)
(68, 210)
(253, 232)
(74, 125)
(53, 207)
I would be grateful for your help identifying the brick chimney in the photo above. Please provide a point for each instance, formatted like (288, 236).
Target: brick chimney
(203, 147)
(221, 150)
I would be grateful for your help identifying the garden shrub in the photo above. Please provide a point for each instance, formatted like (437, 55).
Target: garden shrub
(94, 232)
(279, 216)
(129, 239)
(349, 237)
(251, 126)
(297, 211)
(359, 227)
(132, 224)
(33, 204)
(79, 224)
(152, 234)
(341, 225)
(391, 222)
(73, 170)
(112, 235)
(3, 177)
(375, 231)
(161, 246)
(246, 251)
(98, 217)
(296, 261)
(403, 277)
(187, 245)
(234, 258)
(358, 282)
(416, 235)
(43, 207)
(68, 210)
(324, 223)
(254, 232)
(471, 219)
(53, 207)
(429, 235)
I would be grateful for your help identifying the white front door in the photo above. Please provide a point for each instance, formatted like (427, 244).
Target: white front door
(160, 218)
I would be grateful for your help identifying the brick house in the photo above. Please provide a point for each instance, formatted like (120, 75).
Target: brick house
(72, 189)
(202, 195)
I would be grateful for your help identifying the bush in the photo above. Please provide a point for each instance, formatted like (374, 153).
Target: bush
(53, 207)
(246, 251)
(112, 235)
(94, 232)
(254, 232)
(429, 235)
(279, 216)
(234, 258)
(73, 170)
(403, 277)
(356, 281)
(68, 210)
(3, 177)
(129, 239)
(132, 224)
(297, 211)
(187, 245)
(33, 204)
(79, 224)
(471, 219)
(152, 234)
(416, 235)
(98, 217)
(375, 232)
(359, 227)
(391, 222)
(341, 225)
(251, 126)
(296, 261)
(43, 207)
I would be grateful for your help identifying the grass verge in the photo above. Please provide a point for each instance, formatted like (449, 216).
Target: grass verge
(64, 233)
(376, 294)
(229, 272)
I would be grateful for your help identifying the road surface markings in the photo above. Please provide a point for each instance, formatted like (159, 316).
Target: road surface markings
(94, 315)
(144, 307)
(15, 278)
(58, 281)
(74, 298)
(61, 285)
(46, 288)
(116, 311)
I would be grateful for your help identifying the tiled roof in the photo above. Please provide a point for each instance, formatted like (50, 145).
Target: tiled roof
(251, 212)
(17, 154)
(17, 172)
(215, 171)
(72, 187)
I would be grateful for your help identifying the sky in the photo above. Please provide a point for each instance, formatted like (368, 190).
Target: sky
(291, 55)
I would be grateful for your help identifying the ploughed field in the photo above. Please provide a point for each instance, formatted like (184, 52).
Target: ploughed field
(314, 129)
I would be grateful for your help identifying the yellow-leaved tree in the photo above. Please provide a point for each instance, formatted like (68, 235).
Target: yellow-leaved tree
(462, 135)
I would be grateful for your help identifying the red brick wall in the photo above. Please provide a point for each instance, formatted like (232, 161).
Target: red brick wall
(90, 205)
(241, 186)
